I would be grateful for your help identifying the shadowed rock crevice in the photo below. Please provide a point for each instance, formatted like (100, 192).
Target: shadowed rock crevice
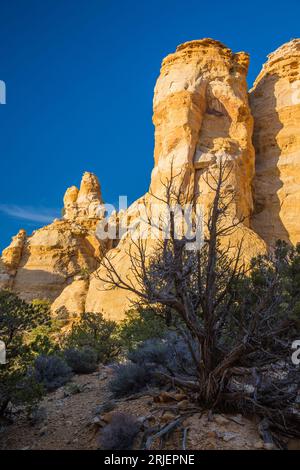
(275, 105)
(266, 220)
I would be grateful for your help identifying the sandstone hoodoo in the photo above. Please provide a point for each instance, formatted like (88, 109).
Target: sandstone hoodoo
(44, 264)
(203, 114)
(84, 205)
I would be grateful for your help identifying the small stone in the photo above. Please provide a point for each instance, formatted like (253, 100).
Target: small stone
(269, 446)
(228, 436)
(107, 417)
(219, 419)
(237, 419)
(105, 407)
(182, 405)
(211, 446)
(168, 416)
(43, 431)
(259, 445)
(96, 420)
(179, 396)
(164, 397)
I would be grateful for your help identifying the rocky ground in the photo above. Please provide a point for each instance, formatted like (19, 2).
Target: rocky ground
(73, 417)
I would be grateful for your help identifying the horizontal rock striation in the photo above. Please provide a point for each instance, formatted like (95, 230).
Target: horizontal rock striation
(42, 265)
(202, 116)
(275, 104)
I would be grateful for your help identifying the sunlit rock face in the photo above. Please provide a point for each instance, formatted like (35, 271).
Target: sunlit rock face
(70, 304)
(201, 116)
(84, 203)
(10, 259)
(43, 264)
(11, 255)
(275, 104)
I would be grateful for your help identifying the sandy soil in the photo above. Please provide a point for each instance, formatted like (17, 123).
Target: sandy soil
(67, 421)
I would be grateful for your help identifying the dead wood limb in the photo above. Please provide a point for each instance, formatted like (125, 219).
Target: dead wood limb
(264, 431)
(184, 439)
(163, 432)
(179, 382)
(135, 396)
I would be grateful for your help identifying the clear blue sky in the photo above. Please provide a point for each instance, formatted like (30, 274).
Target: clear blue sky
(80, 76)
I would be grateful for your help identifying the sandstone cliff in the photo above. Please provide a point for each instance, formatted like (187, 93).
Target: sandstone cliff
(201, 116)
(201, 113)
(44, 264)
(275, 104)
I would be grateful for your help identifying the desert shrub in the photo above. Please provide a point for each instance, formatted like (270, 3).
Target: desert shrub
(284, 266)
(42, 307)
(130, 378)
(170, 353)
(179, 357)
(139, 326)
(73, 388)
(51, 371)
(81, 361)
(37, 416)
(17, 319)
(97, 333)
(43, 340)
(119, 434)
(271, 289)
(19, 388)
(152, 351)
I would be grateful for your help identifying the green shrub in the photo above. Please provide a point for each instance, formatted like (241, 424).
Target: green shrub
(42, 307)
(139, 326)
(81, 361)
(18, 388)
(95, 332)
(42, 339)
(17, 319)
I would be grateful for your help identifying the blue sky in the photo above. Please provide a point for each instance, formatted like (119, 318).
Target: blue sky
(80, 76)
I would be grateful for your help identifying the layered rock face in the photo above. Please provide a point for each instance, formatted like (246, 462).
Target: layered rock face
(84, 205)
(201, 116)
(44, 264)
(10, 259)
(275, 104)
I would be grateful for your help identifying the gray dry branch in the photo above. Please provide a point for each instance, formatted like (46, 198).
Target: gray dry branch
(231, 330)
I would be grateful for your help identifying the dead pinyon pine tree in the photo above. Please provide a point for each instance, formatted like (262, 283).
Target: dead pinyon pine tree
(238, 321)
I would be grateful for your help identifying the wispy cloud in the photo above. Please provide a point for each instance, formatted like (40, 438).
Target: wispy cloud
(33, 214)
